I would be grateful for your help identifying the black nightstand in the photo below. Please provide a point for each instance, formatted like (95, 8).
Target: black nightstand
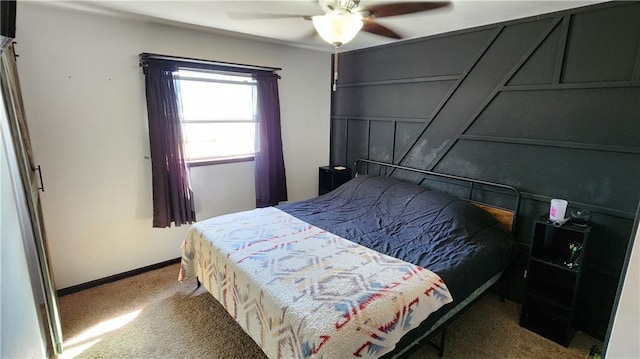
(330, 178)
(553, 277)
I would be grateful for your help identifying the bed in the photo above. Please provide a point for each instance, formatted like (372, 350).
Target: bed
(368, 270)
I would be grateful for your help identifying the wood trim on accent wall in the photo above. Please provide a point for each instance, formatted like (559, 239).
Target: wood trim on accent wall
(400, 81)
(551, 143)
(495, 92)
(571, 86)
(562, 49)
(452, 90)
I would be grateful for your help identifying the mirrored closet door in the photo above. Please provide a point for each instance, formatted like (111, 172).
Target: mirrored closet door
(24, 266)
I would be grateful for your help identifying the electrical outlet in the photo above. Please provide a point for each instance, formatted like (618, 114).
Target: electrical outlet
(525, 274)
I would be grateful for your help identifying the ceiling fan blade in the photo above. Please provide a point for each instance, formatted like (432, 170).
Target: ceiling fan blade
(375, 28)
(264, 16)
(401, 8)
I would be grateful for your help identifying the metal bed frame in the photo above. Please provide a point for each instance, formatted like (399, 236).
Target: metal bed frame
(429, 333)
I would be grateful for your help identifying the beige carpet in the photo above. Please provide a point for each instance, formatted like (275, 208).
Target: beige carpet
(152, 315)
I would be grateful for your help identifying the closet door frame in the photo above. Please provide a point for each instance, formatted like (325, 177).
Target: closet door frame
(27, 194)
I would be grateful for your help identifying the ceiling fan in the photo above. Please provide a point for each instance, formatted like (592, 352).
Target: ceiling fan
(343, 19)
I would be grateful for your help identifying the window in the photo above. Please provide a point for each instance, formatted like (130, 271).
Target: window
(218, 115)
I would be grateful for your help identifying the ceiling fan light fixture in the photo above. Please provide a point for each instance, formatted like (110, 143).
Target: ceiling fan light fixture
(337, 28)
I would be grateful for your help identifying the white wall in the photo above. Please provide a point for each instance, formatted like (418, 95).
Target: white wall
(624, 341)
(85, 105)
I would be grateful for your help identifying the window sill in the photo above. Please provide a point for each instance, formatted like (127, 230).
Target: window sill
(220, 161)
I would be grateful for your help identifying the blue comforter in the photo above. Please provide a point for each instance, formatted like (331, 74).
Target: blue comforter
(460, 242)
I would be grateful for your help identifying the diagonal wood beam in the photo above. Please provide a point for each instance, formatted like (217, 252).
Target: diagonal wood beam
(494, 93)
(451, 91)
(562, 49)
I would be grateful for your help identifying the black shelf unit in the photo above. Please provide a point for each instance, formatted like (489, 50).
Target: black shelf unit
(330, 178)
(553, 277)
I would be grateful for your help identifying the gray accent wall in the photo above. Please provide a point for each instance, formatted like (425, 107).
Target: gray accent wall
(549, 104)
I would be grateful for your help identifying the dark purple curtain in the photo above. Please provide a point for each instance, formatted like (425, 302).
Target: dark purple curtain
(271, 182)
(172, 195)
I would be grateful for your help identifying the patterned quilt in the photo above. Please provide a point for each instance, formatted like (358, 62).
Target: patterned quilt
(302, 292)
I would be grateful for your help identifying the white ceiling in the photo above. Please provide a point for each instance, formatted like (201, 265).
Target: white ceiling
(218, 16)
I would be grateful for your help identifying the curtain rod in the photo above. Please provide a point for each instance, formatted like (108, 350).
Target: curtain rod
(146, 55)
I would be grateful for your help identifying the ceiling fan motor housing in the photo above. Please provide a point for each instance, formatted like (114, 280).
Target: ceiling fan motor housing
(343, 6)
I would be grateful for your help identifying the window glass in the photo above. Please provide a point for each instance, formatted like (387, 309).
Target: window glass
(218, 114)
(205, 141)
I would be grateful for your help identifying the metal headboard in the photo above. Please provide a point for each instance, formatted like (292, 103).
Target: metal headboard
(470, 181)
